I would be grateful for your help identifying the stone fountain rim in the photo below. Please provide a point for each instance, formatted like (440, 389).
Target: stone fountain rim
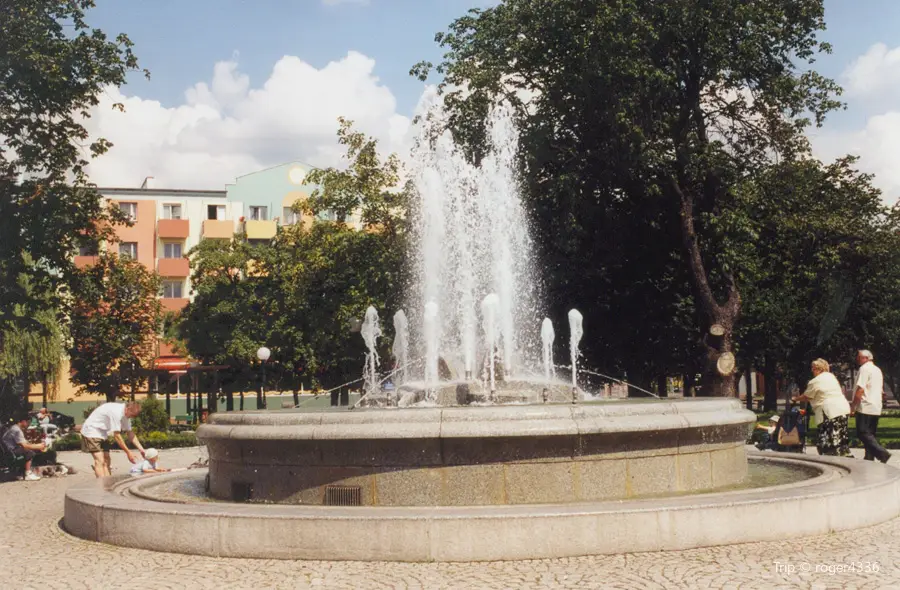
(516, 421)
(855, 495)
(826, 473)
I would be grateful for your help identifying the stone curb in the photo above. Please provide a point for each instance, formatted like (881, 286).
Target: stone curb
(849, 494)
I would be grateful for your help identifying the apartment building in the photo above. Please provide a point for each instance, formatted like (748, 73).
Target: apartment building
(167, 223)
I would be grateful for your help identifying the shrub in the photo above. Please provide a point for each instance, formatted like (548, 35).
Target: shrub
(153, 417)
(168, 440)
(156, 439)
(70, 442)
(88, 410)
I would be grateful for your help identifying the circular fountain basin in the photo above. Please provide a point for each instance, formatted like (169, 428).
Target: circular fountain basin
(172, 513)
(524, 454)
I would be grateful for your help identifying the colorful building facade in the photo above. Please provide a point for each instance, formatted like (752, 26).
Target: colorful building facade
(167, 223)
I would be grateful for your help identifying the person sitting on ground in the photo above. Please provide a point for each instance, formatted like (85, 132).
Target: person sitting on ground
(831, 410)
(768, 441)
(109, 418)
(15, 442)
(150, 464)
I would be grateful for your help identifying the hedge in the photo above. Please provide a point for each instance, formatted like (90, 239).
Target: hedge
(158, 440)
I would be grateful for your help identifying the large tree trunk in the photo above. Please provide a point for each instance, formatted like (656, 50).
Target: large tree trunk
(662, 386)
(719, 364)
(770, 402)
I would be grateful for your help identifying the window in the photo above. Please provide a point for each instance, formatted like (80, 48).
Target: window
(129, 209)
(215, 212)
(128, 249)
(171, 211)
(327, 215)
(173, 289)
(290, 216)
(259, 213)
(172, 250)
(88, 249)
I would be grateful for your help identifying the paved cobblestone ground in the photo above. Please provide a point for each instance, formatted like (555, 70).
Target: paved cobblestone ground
(36, 553)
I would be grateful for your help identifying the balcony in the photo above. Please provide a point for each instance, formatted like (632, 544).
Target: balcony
(260, 230)
(85, 261)
(174, 304)
(173, 267)
(221, 229)
(177, 229)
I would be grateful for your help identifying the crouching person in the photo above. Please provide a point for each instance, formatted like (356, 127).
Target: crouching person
(110, 418)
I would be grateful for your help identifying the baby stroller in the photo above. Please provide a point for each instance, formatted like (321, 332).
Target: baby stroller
(790, 434)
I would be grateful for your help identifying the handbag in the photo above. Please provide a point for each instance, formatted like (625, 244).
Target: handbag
(790, 437)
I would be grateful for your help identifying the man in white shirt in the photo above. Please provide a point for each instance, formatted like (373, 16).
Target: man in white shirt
(109, 418)
(867, 406)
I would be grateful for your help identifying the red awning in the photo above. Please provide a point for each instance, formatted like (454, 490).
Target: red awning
(171, 363)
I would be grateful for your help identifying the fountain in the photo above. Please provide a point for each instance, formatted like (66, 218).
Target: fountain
(478, 468)
(547, 338)
(370, 331)
(575, 333)
(400, 348)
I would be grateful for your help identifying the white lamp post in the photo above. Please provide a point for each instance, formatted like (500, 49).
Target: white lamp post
(263, 355)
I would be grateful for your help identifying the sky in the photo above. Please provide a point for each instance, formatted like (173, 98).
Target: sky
(240, 85)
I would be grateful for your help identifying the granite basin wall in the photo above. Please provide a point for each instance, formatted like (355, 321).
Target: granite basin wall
(480, 456)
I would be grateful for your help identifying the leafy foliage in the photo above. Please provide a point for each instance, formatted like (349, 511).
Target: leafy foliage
(153, 417)
(662, 110)
(53, 66)
(298, 294)
(29, 352)
(368, 186)
(114, 323)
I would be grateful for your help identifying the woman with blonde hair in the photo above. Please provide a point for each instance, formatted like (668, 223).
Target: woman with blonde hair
(831, 409)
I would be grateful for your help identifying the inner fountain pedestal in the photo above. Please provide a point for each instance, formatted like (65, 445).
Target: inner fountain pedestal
(497, 455)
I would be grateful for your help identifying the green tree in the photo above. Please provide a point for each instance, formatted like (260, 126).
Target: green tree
(53, 67)
(228, 319)
(813, 233)
(29, 352)
(669, 105)
(370, 186)
(115, 320)
(298, 294)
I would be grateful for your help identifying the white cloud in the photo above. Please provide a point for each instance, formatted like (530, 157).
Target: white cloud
(877, 145)
(226, 127)
(872, 85)
(873, 75)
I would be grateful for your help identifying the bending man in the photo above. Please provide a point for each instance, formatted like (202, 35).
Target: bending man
(110, 418)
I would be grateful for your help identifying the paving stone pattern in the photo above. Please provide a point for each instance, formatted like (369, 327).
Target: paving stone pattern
(36, 553)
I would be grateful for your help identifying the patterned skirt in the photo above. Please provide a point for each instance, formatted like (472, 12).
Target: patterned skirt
(834, 437)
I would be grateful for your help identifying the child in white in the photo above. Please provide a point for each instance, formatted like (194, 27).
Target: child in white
(150, 464)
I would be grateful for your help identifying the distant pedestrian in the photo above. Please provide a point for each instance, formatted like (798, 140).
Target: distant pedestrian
(109, 418)
(831, 409)
(867, 400)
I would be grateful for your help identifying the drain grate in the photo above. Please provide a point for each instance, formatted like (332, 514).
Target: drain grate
(343, 496)
(241, 492)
